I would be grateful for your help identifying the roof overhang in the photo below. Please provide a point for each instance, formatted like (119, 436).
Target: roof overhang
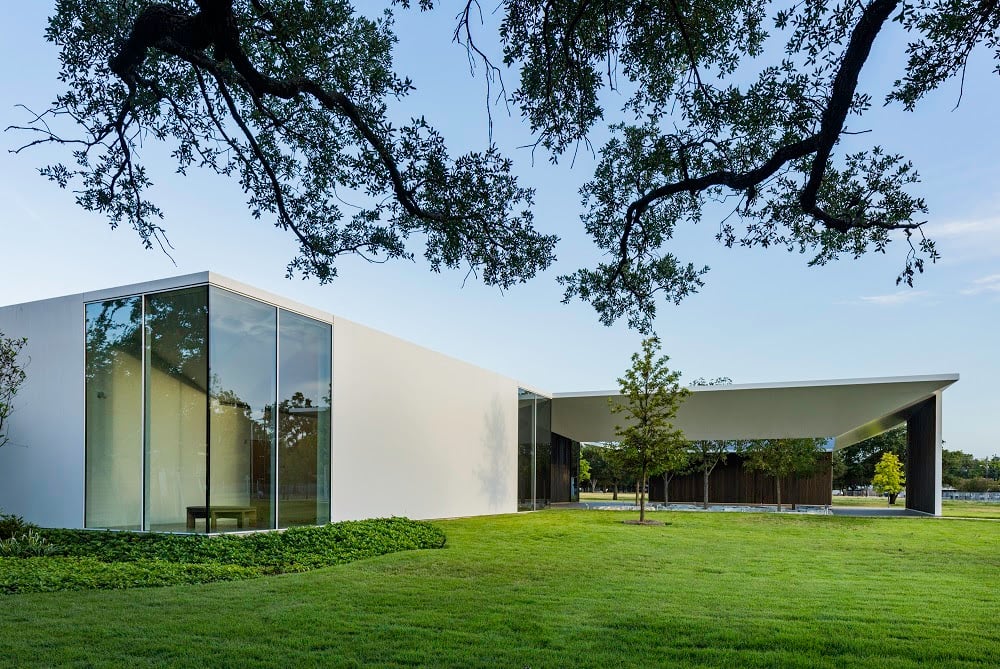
(849, 410)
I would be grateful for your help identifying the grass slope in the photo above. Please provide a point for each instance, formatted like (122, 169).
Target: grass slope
(568, 589)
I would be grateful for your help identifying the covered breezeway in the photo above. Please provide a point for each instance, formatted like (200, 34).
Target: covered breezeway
(846, 410)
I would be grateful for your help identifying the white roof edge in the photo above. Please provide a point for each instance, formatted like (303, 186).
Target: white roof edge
(193, 279)
(944, 379)
(248, 290)
(153, 286)
(534, 389)
(272, 298)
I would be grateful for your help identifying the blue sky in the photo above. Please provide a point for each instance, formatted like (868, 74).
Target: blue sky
(762, 316)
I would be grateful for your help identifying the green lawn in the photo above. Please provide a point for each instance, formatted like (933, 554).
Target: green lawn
(955, 508)
(623, 496)
(949, 507)
(565, 588)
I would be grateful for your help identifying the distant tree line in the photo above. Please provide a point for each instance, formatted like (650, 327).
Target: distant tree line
(609, 468)
(854, 466)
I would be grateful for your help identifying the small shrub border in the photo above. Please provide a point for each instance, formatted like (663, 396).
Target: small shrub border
(83, 559)
(12, 526)
(48, 574)
(29, 544)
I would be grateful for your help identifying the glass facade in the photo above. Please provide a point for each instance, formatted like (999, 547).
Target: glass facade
(525, 450)
(176, 373)
(565, 469)
(543, 452)
(534, 450)
(114, 414)
(206, 411)
(243, 354)
(304, 390)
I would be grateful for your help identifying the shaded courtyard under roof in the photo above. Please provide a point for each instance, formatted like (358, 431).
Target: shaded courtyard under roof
(845, 410)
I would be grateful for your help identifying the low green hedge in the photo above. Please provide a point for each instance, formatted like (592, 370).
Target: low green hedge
(86, 559)
(45, 574)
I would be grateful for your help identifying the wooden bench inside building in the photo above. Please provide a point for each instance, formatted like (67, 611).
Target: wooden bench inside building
(245, 516)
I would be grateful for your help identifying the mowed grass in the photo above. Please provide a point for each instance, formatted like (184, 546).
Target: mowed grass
(949, 507)
(568, 588)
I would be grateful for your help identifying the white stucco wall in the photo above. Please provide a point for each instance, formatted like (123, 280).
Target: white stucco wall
(416, 433)
(41, 469)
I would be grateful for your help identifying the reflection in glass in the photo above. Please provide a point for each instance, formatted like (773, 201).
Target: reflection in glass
(304, 389)
(242, 358)
(114, 414)
(525, 449)
(191, 422)
(176, 367)
(543, 452)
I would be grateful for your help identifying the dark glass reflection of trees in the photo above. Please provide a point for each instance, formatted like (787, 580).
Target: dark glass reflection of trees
(304, 392)
(209, 437)
(113, 391)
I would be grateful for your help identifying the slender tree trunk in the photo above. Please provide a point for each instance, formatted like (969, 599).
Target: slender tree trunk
(614, 495)
(705, 497)
(641, 490)
(666, 488)
(637, 493)
(777, 488)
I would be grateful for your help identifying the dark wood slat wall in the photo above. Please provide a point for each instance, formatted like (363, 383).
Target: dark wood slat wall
(562, 470)
(921, 457)
(731, 483)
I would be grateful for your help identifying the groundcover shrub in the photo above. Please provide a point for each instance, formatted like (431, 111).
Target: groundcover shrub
(44, 574)
(87, 559)
(29, 544)
(13, 526)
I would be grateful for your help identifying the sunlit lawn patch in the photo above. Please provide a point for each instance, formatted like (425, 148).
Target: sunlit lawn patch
(569, 589)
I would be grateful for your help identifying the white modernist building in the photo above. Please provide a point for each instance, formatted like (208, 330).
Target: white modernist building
(198, 403)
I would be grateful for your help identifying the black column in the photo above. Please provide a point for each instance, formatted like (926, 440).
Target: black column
(923, 457)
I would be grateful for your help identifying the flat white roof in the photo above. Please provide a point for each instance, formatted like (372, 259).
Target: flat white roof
(951, 378)
(848, 410)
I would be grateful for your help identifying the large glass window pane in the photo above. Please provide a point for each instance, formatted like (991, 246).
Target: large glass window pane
(543, 452)
(525, 449)
(176, 367)
(243, 341)
(304, 393)
(114, 414)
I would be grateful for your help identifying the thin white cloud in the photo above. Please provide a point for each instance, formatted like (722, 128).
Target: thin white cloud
(971, 239)
(892, 299)
(974, 229)
(986, 284)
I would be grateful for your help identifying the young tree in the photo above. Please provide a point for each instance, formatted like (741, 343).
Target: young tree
(606, 467)
(12, 375)
(598, 467)
(706, 454)
(781, 458)
(677, 463)
(854, 466)
(584, 471)
(293, 99)
(651, 396)
(888, 479)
